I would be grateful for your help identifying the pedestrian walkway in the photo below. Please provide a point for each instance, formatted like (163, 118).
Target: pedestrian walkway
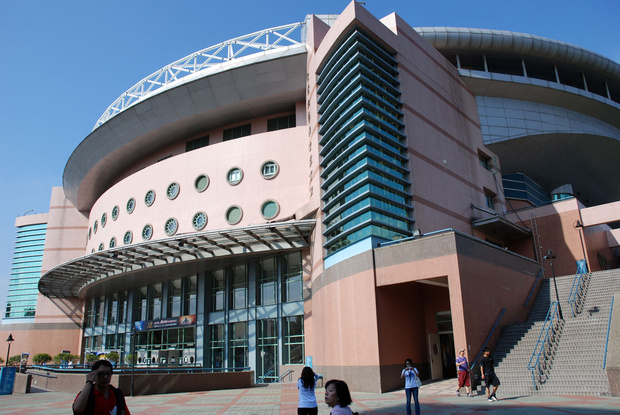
(437, 398)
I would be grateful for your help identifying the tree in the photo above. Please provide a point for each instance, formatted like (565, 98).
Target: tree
(14, 360)
(130, 358)
(41, 358)
(62, 358)
(91, 358)
(113, 357)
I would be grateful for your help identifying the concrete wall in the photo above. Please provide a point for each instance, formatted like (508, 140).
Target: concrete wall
(448, 272)
(152, 383)
(286, 147)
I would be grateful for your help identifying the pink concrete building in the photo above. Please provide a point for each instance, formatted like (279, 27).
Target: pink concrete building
(357, 193)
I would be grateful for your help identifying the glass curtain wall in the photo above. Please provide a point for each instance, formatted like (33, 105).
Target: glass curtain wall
(366, 187)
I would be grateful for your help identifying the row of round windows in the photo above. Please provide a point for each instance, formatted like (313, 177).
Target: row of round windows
(269, 210)
(234, 176)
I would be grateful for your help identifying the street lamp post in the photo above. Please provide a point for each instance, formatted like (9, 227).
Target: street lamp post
(550, 257)
(8, 352)
(133, 357)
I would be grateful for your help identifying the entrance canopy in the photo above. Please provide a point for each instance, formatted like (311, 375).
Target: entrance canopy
(120, 267)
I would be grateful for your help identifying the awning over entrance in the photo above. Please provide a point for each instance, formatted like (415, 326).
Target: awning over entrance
(501, 228)
(68, 279)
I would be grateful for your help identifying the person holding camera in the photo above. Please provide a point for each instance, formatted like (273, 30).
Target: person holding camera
(412, 384)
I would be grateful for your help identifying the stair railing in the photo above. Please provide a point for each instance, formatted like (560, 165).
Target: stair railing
(541, 360)
(611, 310)
(285, 374)
(484, 345)
(577, 291)
(265, 376)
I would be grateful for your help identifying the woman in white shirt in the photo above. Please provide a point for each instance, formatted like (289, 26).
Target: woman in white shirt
(307, 398)
(411, 376)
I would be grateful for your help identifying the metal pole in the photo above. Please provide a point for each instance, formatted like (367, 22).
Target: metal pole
(133, 358)
(557, 296)
(7, 355)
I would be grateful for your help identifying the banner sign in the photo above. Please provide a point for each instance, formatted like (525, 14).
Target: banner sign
(7, 380)
(166, 323)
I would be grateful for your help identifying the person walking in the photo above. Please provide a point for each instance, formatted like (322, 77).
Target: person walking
(487, 369)
(98, 397)
(463, 374)
(307, 397)
(412, 384)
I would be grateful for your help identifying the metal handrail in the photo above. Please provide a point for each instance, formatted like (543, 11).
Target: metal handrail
(527, 300)
(611, 309)
(546, 341)
(475, 362)
(266, 375)
(287, 373)
(264, 40)
(577, 290)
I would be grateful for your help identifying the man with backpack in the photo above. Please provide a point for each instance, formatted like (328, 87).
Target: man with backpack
(98, 396)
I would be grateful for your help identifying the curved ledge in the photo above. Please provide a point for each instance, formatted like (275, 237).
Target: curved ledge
(481, 40)
(141, 262)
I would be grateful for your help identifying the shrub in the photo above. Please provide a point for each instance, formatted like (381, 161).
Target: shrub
(91, 358)
(14, 360)
(113, 357)
(62, 358)
(41, 358)
(130, 358)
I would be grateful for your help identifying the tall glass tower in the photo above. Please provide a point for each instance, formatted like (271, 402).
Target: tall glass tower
(27, 259)
(365, 179)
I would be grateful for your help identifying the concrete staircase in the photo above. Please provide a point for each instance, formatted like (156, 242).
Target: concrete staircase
(577, 365)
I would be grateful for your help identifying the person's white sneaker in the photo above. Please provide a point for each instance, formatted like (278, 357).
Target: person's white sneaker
(494, 397)
(458, 393)
(490, 400)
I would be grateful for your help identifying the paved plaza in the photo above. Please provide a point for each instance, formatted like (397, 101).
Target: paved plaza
(435, 398)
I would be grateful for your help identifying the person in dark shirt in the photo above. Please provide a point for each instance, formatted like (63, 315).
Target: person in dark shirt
(487, 369)
(98, 396)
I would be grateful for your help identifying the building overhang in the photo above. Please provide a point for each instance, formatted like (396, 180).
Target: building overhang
(149, 262)
(501, 228)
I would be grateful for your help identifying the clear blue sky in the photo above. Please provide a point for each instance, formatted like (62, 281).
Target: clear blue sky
(63, 62)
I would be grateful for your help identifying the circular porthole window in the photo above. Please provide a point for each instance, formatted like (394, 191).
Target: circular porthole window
(92, 251)
(171, 226)
(131, 205)
(115, 211)
(90, 233)
(104, 220)
(101, 246)
(147, 232)
(201, 183)
(234, 215)
(269, 209)
(149, 198)
(199, 221)
(173, 191)
(128, 238)
(112, 242)
(95, 227)
(234, 176)
(269, 169)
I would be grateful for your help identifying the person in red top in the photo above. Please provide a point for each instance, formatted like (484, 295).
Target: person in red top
(98, 397)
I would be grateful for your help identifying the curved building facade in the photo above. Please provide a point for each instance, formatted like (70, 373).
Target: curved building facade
(338, 196)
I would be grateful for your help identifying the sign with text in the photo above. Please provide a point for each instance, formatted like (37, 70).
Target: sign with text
(166, 323)
(7, 380)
